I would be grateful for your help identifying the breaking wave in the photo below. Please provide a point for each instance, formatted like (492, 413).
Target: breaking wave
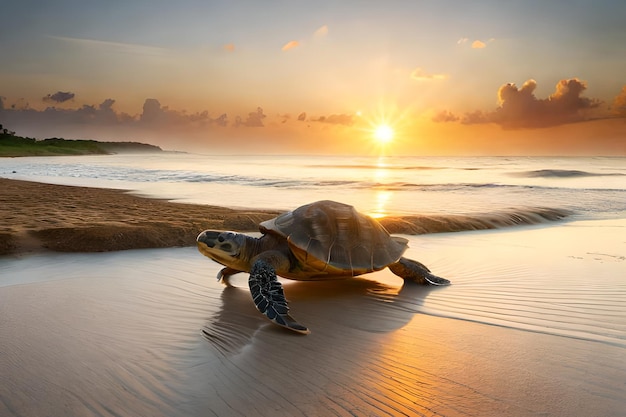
(564, 173)
(422, 224)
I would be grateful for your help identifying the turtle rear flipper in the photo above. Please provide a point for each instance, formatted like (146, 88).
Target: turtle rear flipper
(416, 272)
(269, 297)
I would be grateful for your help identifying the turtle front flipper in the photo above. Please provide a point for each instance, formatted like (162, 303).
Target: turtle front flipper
(416, 272)
(225, 274)
(269, 297)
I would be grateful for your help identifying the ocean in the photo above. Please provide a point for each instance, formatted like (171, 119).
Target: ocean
(589, 188)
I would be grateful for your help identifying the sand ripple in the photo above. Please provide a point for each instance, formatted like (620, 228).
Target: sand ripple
(532, 281)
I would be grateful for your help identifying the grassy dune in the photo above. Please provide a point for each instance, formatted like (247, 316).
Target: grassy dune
(12, 145)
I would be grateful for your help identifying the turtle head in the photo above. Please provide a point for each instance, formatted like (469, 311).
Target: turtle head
(224, 247)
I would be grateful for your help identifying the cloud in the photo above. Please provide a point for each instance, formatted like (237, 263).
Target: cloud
(53, 117)
(619, 104)
(302, 117)
(106, 104)
(340, 119)
(222, 120)
(153, 115)
(104, 113)
(59, 97)
(419, 74)
(567, 96)
(229, 47)
(321, 32)
(475, 117)
(254, 119)
(445, 116)
(119, 47)
(290, 45)
(519, 97)
(519, 108)
(477, 44)
(152, 111)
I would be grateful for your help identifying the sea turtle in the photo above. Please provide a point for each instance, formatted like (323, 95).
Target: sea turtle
(317, 241)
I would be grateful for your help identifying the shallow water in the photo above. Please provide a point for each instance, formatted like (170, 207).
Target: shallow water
(534, 324)
(568, 281)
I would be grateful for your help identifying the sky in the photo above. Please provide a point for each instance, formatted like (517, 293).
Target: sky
(447, 77)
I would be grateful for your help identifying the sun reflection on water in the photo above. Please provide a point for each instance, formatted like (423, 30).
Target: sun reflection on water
(382, 201)
(383, 195)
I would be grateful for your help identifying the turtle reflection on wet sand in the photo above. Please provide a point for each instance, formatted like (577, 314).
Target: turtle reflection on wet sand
(318, 241)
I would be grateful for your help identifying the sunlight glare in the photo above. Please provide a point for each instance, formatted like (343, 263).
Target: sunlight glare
(384, 128)
(383, 133)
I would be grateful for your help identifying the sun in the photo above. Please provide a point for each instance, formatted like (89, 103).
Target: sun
(382, 128)
(383, 133)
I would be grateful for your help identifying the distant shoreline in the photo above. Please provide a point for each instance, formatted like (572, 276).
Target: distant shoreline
(14, 146)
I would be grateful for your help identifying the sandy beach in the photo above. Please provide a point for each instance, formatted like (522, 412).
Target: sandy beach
(38, 217)
(149, 332)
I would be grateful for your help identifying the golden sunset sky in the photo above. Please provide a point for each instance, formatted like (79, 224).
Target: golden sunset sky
(449, 77)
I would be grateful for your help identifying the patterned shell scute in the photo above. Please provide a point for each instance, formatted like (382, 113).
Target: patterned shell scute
(335, 234)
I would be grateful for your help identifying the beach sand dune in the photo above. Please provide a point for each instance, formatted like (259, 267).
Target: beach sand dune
(36, 216)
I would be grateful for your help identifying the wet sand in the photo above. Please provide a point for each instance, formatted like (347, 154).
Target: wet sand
(151, 333)
(35, 217)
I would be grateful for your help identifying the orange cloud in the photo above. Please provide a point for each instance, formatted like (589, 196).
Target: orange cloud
(477, 44)
(420, 75)
(321, 32)
(290, 45)
(510, 92)
(445, 116)
(338, 119)
(255, 119)
(519, 108)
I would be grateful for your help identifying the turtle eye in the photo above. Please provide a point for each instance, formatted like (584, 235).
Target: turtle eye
(220, 239)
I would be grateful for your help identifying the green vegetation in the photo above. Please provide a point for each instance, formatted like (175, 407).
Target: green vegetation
(12, 145)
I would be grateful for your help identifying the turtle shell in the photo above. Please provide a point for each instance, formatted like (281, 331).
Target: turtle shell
(334, 238)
